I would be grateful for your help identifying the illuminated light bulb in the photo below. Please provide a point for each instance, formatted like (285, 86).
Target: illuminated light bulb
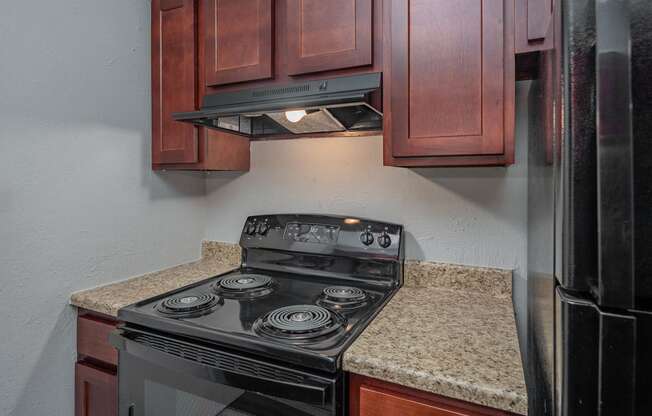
(295, 116)
(351, 221)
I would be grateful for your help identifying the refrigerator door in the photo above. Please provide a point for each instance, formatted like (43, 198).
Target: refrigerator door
(641, 70)
(602, 359)
(604, 233)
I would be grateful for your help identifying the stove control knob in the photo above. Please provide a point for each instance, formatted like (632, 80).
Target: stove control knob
(262, 228)
(367, 238)
(384, 240)
(250, 228)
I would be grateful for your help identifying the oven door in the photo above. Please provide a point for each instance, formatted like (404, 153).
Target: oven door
(160, 375)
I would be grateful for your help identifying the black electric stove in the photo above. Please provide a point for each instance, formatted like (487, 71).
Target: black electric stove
(271, 333)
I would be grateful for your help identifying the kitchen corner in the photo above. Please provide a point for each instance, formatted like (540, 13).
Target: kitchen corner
(216, 258)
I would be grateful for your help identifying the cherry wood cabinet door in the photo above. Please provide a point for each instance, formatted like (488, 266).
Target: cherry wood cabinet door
(534, 25)
(446, 94)
(372, 397)
(173, 80)
(239, 40)
(95, 391)
(93, 339)
(374, 402)
(328, 35)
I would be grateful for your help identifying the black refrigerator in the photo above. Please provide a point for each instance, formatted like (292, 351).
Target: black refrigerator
(589, 321)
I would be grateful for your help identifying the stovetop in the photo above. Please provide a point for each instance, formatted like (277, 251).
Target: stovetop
(277, 324)
(291, 301)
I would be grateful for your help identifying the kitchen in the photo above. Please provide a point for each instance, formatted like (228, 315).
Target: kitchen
(441, 167)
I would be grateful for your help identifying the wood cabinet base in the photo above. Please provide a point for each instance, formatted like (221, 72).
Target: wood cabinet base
(96, 379)
(96, 391)
(372, 397)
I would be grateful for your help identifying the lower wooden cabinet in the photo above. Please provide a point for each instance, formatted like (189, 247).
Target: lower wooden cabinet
(96, 371)
(372, 397)
(96, 391)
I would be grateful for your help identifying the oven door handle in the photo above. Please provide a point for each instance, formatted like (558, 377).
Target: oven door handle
(211, 365)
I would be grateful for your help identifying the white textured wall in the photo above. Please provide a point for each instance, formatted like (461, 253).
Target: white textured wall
(79, 204)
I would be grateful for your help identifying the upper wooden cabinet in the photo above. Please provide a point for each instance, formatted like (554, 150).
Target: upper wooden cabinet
(239, 40)
(177, 87)
(448, 70)
(173, 80)
(448, 82)
(328, 35)
(534, 23)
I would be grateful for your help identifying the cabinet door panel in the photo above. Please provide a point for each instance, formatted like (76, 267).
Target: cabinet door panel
(328, 35)
(371, 397)
(93, 339)
(534, 25)
(445, 73)
(95, 391)
(374, 402)
(173, 80)
(239, 41)
(539, 18)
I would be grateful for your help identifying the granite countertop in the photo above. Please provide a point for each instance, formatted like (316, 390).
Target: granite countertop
(451, 331)
(217, 258)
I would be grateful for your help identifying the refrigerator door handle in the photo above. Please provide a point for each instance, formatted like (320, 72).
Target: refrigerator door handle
(615, 176)
(617, 365)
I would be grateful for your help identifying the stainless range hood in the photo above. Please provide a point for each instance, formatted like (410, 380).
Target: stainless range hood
(319, 106)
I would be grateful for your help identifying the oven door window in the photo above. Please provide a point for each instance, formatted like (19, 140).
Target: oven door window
(150, 390)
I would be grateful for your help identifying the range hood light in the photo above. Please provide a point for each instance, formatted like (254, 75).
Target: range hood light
(295, 116)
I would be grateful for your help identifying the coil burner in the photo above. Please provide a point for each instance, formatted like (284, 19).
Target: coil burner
(300, 323)
(244, 286)
(343, 297)
(189, 305)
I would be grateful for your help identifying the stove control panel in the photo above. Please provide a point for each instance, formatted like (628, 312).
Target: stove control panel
(311, 233)
(324, 234)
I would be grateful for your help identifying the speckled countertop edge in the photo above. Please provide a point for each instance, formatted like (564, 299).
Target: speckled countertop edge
(217, 258)
(451, 331)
